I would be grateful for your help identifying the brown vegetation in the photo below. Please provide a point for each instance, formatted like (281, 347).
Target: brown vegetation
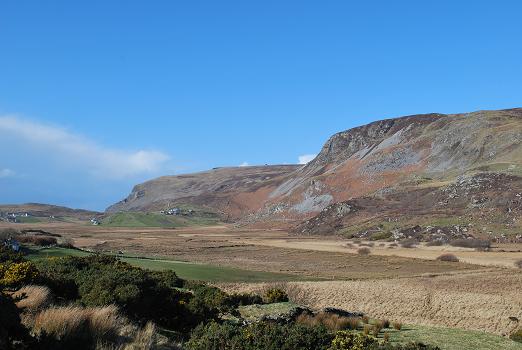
(448, 257)
(479, 244)
(75, 322)
(37, 240)
(518, 263)
(364, 251)
(331, 321)
(32, 298)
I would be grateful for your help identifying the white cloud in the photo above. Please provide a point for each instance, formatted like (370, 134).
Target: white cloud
(244, 164)
(80, 151)
(6, 173)
(306, 158)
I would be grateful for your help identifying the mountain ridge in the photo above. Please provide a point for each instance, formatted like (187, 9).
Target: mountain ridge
(368, 160)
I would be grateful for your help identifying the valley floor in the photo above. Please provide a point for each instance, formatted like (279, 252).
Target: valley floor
(482, 292)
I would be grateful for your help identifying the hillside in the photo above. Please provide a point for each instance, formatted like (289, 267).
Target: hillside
(444, 169)
(36, 212)
(233, 192)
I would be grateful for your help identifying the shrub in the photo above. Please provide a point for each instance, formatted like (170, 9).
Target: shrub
(479, 244)
(11, 328)
(18, 273)
(364, 251)
(37, 240)
(516, 336)
(518, 263)
(259, 336)
(434, 243)
(345, 340)
(448, 257)
(409, 243)
(385, 323)
(376, 236)
(376, 329)
(66, 243)
(331, 321)
(275, 295)
(8, 255)
(143, 295)
(8, 233)
(397, 325)
(365, 319)
(386, 337)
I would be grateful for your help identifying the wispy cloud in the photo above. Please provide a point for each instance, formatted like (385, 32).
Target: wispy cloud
(244, 164)
(6, 173)
(76, 149)
(306, 158)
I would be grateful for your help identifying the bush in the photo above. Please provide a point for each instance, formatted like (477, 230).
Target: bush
(364, 251)
(479, 244)
(143, 295)
(8, 255)
(259, 336)
(11, 328)
(397, 325)
(409, 243)
(448, 257)
(516, 336)
(17, 274)
(345, 340)
(8, 233)
(518, 263)
(37, 240)
(275, 295)
(434, 243)
(331, 321)
(377, 236)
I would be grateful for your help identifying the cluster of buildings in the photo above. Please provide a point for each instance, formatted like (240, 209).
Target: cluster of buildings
(12, 217)
(177, 211)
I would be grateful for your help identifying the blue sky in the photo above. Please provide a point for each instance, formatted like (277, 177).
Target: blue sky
(96, 96)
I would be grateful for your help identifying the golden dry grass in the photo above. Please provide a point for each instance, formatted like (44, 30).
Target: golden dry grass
(73, 321)
(330, 321)
(475, 301)
(32, 298)
(144, 338)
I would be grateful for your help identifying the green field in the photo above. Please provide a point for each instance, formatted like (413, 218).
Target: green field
(28, 220)
(185, 270)
(452, 338)
(134, 219)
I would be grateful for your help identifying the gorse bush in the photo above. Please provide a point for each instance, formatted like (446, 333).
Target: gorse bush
(346, 340)
(17, 273)
(142, 295)
(259, 336)
(275, 295)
